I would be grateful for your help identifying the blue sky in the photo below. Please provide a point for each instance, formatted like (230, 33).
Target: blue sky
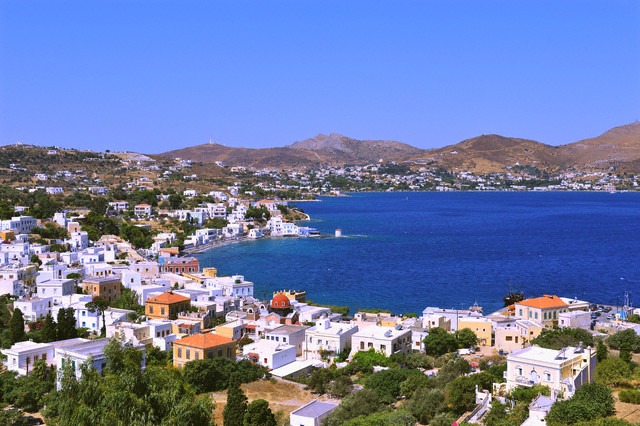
(151, 76)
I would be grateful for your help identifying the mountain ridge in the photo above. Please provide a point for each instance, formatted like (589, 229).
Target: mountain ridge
(617, 147)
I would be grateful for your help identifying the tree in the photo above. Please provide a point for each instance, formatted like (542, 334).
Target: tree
(425, 404)
(360, 403)
(466, 338)
(66, 328)
(462, 394)
(613, 371)
(35, 259)
(99, 305)
(341, 387)
(234, 411)
(259, 414)
(559, 338)
(601, 352)
(49, 329)
(497, 414)
(175, 200)
(387, 383)
(625, 352)
(590, 402)
(439, 342)
(16, 326)
(99, 205)
(629, 336)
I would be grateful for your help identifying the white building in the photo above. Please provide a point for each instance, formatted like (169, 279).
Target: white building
(388, 340)
(35, 308)
(332, 337)
(12, 287)
(574, 319)
(270, 354)
(81, 352)
(311, 414)
(22, 355)
(56, 289)
(20, 224)
(563, 371)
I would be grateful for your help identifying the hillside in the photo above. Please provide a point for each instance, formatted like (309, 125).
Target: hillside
(618, 147)
(332, 150)
(357, 150)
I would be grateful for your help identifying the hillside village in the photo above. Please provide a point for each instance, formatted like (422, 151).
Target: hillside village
(86, 285)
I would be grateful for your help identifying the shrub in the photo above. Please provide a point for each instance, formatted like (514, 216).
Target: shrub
(631, 396)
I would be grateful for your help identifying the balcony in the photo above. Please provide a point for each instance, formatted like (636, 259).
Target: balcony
(522, 381)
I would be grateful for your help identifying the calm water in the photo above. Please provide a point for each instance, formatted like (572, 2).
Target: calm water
(407, 251)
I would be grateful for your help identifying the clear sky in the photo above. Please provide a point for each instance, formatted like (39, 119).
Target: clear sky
(151, 76)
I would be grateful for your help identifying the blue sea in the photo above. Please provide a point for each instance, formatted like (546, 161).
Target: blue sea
(406, 251)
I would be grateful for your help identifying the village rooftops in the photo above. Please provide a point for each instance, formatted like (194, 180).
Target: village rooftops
(204, 340)
(287, 329)
(380, 332)
(98, 280)
(544, 302)
(168, 298)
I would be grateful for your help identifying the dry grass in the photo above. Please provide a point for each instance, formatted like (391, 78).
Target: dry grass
(626, 411)
(282, 395)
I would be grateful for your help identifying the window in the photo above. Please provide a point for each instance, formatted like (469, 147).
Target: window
(219, 351)
(554, 314)
(383, 347)
(197, 355)
(157, 334)
(508, 338)
(188, 353)
(536, 315)
(150, 309)
(519, 371)
(361, 345)
(44, 357)
(547, 377)
(229, 351)
(84, 313)
(162, 310)
(369, 345)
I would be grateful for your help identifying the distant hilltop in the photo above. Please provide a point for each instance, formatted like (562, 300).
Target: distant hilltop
(618, 147)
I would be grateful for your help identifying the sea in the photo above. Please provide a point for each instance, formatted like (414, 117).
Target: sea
(405, 251)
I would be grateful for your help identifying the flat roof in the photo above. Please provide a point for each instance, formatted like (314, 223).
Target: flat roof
(536, 353)
(314, 409)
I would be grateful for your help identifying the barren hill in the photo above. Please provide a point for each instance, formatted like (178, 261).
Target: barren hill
(322, 150)
(357, 150)
(491, 153)
(618, 147)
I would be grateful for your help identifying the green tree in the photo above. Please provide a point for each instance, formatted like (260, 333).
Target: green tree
(99, 205)
(360, 403)
(137, 236)
(387, 383)
(6, 211)
(398, 417)
(601, 352)
(425, 404)
(439, 342)
(236, 407)
(613, 371)
(462, 394)
(16, 326)
(466, 338)
(625, 352)
(497, 414)
(634, 318)
(175, 200)
(590, 402)
(340, 387)
(49, 329)
(558, 338)
(259, 414)
(35, 260)
(99, 305)
(66, 328)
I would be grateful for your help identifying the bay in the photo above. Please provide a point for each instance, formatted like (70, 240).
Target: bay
(406, 251)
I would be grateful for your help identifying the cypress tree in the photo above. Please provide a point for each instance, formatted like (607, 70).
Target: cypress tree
(49, 329)
(66, 328)
(234, 411)
(16, 326)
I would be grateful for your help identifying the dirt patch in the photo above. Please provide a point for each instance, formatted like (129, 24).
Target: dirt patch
(282, 395)
(626, 411)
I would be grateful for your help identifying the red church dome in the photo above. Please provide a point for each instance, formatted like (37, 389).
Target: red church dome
(280, 301)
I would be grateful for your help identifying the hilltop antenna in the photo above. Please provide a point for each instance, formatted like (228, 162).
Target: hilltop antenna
(210, 142)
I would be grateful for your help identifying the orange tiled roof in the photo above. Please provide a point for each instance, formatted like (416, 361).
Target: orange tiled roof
(544, 302)
(168, 298)
(203, 341)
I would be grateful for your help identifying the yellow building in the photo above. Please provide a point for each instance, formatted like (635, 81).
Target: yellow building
(481, 327)
(107, 288)
(202, 346)
(543, 309)
(166, 306)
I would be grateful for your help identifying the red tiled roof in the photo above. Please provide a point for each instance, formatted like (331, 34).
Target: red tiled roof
(203, 341)
(544, 302)
(168, 298)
